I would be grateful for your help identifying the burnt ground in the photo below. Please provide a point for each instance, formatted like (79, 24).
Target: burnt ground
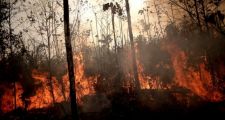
(147, 104)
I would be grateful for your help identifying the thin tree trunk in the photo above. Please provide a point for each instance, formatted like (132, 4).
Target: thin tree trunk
(55, 36)
(172, 12)
(204, 15)
(78, 37)
(149, 29)
(197, 14)
(55, 39)
(107, 33)
(114, 32)
(158, 17)
(146, 24)
(121, 32)
(70, 61)
(98, 51)
(134, 62)
(49, 62)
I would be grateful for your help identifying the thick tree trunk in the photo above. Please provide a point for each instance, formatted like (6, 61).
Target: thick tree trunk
(134, 62)
(70, 61)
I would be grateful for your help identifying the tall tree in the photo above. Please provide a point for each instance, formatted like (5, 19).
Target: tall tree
(115, 9)
(48, 24)
(113, 26)
(134, 62)
(70, 61)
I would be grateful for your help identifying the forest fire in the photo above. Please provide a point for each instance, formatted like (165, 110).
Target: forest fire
(43, 97)
(146, 81)
(111, 59)
(84, 85)
(198, 81)
(7, 99)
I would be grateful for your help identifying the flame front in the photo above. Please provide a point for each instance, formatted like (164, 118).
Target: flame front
(199, 82)
(8, 98)
(146, 81)
(43, 97)
(84, 85)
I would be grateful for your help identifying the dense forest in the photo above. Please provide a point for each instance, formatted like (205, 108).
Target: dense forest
(111, 59)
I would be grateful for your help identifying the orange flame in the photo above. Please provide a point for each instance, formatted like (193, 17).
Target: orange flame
(84, 85)
(199, 82)
(7, 99)
(43, 97)
(146, 81)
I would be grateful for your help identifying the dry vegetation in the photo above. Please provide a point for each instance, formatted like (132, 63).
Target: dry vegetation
(171, 61)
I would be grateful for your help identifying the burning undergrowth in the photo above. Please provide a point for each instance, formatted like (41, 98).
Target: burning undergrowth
(42, 97)
(165, 70)
(199, 81)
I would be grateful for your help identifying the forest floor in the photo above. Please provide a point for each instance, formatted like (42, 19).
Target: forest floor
(147, 104)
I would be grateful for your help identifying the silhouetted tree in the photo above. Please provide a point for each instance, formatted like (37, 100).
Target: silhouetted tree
(115, 8)
(70, 61)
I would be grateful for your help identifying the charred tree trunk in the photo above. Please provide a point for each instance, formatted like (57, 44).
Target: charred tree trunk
(134, 62)
(70, 61)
